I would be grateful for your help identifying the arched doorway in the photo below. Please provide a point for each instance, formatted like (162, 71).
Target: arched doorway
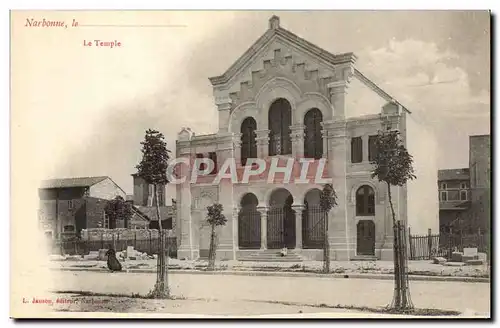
(313, 142)
(280, 119)
(313, 221)
(248, 143)
(281, 220)
(249, 223)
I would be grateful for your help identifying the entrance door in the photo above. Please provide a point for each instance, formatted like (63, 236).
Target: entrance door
(366, 237)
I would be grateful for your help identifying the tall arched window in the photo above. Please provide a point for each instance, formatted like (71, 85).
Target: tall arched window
(248, 143)
(365, 201)
(280, 119)
(313, 143)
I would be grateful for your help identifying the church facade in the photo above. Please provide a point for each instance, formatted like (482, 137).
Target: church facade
(287, 98)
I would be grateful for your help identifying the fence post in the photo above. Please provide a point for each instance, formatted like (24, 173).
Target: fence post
(135, 239)
(429, 242)
(150, 246)
(102, 240)
(409, 244)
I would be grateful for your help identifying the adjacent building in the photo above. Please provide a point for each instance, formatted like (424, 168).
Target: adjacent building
(454, 195)
(287, 98)
(69, 205)
(144, 203)
(464, 194)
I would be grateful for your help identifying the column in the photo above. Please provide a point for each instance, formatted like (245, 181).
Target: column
(262, 140)
(236, 212)
(299, 209)
(297, 136)
(263, 227)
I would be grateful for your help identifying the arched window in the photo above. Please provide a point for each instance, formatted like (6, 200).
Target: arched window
(280, 119)
(313, 143)
(365, 201)
(248, 143)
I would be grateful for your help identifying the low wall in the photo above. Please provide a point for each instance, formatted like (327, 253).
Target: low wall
(121, 234)
(143, 240)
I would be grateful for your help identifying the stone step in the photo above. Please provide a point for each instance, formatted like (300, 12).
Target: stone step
(283, 259)
(271, 256)
(364, 258)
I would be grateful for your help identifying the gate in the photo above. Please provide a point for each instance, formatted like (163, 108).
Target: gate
(249, 229)
(280, 228)
(313, 227)
(275, 236)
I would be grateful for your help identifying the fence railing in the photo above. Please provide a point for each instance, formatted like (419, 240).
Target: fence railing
(424, 247)
(82, 247)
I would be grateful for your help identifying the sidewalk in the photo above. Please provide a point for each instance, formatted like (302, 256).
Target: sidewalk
(418, 270)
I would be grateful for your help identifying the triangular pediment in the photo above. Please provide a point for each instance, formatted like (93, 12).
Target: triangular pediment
(279, 53)
(281, 45)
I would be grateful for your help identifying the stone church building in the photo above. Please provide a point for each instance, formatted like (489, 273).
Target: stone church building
(287, 98)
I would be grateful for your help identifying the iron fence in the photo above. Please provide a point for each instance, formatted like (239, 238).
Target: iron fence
(313, 227)
(249, 229)
(424, 247)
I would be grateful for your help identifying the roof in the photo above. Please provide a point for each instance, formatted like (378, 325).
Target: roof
(71, 182)
(454, 174)
(150, 212)
(327, 57)
(139, 214)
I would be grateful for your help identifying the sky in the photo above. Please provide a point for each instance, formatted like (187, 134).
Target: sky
(83, 111)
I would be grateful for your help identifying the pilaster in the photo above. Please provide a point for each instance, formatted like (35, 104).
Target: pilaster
(224, 105)
(338, 89)
(339, 228)
(184, 224)
(297, 137)
(262, 140)
(237, 148)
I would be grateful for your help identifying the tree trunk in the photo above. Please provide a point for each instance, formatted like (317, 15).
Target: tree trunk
(326, 245)
(161, 281)
(397, 272)
(211, 253)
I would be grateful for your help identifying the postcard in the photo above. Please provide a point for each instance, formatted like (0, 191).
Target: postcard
(250, 164)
